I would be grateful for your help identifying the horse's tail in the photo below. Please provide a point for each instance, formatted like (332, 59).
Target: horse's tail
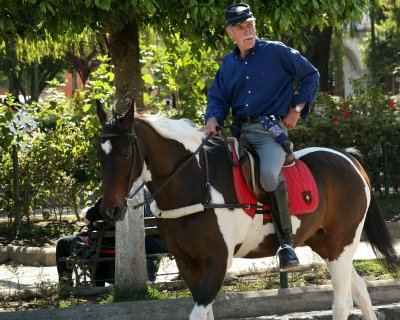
(377, 233)
(376, 230)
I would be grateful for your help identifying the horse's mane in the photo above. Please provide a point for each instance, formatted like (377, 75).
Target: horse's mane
(181, 130)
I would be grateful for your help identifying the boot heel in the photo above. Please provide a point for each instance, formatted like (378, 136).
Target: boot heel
(287, 258)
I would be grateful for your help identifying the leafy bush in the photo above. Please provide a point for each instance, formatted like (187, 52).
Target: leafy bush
(369, 121)
(59, 168)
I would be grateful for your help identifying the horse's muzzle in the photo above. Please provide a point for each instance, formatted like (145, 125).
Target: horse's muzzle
(113, 213)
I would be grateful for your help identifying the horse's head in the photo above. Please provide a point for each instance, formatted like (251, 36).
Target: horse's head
(120, 161)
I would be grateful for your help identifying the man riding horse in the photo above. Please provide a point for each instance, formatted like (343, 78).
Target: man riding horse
(256, 80)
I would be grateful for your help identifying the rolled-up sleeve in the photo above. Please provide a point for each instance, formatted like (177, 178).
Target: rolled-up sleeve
(305, 73)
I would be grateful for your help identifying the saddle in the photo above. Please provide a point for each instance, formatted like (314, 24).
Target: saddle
(302, 189)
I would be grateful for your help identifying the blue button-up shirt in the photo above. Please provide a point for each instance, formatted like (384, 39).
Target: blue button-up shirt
(262, 83)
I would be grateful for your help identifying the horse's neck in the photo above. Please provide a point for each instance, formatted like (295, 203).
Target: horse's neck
(160, 155)
(169, 168)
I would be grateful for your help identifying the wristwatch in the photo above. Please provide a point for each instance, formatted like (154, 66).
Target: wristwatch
(298, 108)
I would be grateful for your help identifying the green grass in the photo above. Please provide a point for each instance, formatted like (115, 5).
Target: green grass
(149, 294)
(317, 275)
(372, 270)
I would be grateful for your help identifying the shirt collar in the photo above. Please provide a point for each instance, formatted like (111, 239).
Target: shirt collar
(236, 51)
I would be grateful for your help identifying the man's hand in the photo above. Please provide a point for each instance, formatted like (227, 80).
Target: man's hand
(85, 229)
(212, 127)
(290, 120)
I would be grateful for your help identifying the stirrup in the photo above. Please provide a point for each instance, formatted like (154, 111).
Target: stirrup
(289, 160)
(287, 261)
(285, 246)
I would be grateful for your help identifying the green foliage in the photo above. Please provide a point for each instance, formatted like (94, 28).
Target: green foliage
(35, 234)
(387, 40)
(287, 19)
(101, 87)
(200, 21)
(366, 122)
(390, 207)
(59, 166)
(197, 20)
(183, 70)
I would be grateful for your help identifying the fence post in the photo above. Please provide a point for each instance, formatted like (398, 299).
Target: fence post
(283, 280)
(130, 257)
(386, 168)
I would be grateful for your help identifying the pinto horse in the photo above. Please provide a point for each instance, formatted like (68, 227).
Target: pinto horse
(172, 157)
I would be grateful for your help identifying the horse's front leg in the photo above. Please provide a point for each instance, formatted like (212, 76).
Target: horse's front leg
(202, 313)
(204, 279)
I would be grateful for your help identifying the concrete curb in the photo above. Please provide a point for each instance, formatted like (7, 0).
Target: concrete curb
(228, 306)
(44, 256)
(383, 312)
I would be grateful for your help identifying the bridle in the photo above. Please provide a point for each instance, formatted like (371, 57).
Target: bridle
(207, 203)
(175, 173)
(136, 150)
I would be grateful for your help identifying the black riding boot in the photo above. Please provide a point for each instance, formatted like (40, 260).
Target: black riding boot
(279, 204)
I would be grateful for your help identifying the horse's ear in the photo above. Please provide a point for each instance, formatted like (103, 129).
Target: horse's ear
(101, 114)
(129, 116)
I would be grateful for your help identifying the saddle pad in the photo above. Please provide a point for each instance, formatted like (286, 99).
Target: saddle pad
(302, 189)
(243, 192)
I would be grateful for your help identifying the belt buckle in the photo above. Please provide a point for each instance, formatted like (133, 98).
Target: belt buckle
(246, 120)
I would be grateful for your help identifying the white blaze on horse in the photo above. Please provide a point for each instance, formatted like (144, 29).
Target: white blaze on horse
(205, 226)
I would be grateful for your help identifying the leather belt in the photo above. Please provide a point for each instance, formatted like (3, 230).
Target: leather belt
(250, 120)
(246, 120)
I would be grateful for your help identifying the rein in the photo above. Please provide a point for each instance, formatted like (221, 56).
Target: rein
(207, 203)
(204, 141)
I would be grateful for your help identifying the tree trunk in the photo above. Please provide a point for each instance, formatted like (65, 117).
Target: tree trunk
(338, 56)
(318, 54)
(74, 81)
(372, 16)
(125, 56)
(35, 92)
(130, 257)
(16, 189)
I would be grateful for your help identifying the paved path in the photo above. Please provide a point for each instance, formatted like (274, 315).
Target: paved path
(27, 277)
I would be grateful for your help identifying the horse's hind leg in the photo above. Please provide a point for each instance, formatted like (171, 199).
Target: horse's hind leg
(348, 285)
(341, 284)
(361, 296)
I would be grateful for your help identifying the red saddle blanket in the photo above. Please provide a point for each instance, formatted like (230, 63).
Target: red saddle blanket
(302, 189)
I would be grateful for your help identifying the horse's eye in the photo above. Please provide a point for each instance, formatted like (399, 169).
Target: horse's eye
(125, 155)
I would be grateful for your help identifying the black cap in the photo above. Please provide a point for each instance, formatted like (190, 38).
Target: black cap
(238, 13)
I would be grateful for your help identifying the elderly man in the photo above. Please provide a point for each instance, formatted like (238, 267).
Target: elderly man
(256, 81)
